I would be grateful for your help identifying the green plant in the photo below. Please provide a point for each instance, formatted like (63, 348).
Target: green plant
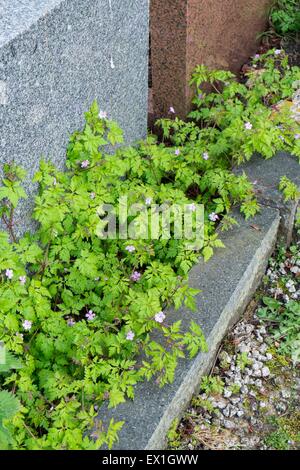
(235, 388)
(285, 433)
(206, 405)
(9, 404)
(285, 321)
(212, 385)
(285, 17)
(289, 189)
(236, 119)
(78, 309)
(173, 435)
(243, 360)
(71, 303)
(278, 440)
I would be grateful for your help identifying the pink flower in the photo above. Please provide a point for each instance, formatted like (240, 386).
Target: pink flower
(85, 164)
(160, 317)
(248, 126)
(27, 325)
(148, 201)
(130, 336)
(171, 110)
(22, 280)
(9, 273)
(257, 56)
(177, 152)
(205, 156)
(277, 51)
(102, 115)
(297, 136)
(130, 248)
(213, 217)
(135, 276)
(192, 207)
(71, 322)
(90, 316)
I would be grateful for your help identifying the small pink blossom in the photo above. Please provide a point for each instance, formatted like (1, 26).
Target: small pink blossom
(85, 164)
(130, 336)
(22, 280)
(27, 324)
(135, 276)
(130, 248)
(192, 207)
(102, 115)
(172, 110)
(9, 273)
(160, 317)
(177, 152)
(213, 217)
(90, 316)
(205, 156)
(257, 56)
(248, 126)
(148, 201)
(278, 51)
(297, 136)
(71, 322)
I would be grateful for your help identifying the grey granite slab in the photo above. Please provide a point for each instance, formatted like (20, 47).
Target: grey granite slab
(266, 175)
(56, 57)
(16, 16)
(228, 282)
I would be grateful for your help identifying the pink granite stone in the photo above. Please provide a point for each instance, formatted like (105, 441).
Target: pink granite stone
(185, 33)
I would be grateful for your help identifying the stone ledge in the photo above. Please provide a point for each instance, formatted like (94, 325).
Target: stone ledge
(228, 282)
(266, 174)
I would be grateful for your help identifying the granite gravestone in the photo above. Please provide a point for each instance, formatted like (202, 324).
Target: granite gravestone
(56, 57)
(186, 33)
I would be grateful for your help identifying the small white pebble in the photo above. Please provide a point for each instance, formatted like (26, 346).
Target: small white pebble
(265, 371)
(227, 393)
(295, 270)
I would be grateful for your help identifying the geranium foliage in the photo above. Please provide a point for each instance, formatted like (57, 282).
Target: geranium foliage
(87, 318)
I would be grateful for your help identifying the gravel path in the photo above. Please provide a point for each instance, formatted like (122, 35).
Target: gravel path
(251, 400)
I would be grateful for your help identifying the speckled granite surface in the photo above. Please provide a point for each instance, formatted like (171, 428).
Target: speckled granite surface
(56, 57)
(185, 33)
(16, 16)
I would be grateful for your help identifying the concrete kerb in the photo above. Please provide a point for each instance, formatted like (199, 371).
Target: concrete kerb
(266, 175)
